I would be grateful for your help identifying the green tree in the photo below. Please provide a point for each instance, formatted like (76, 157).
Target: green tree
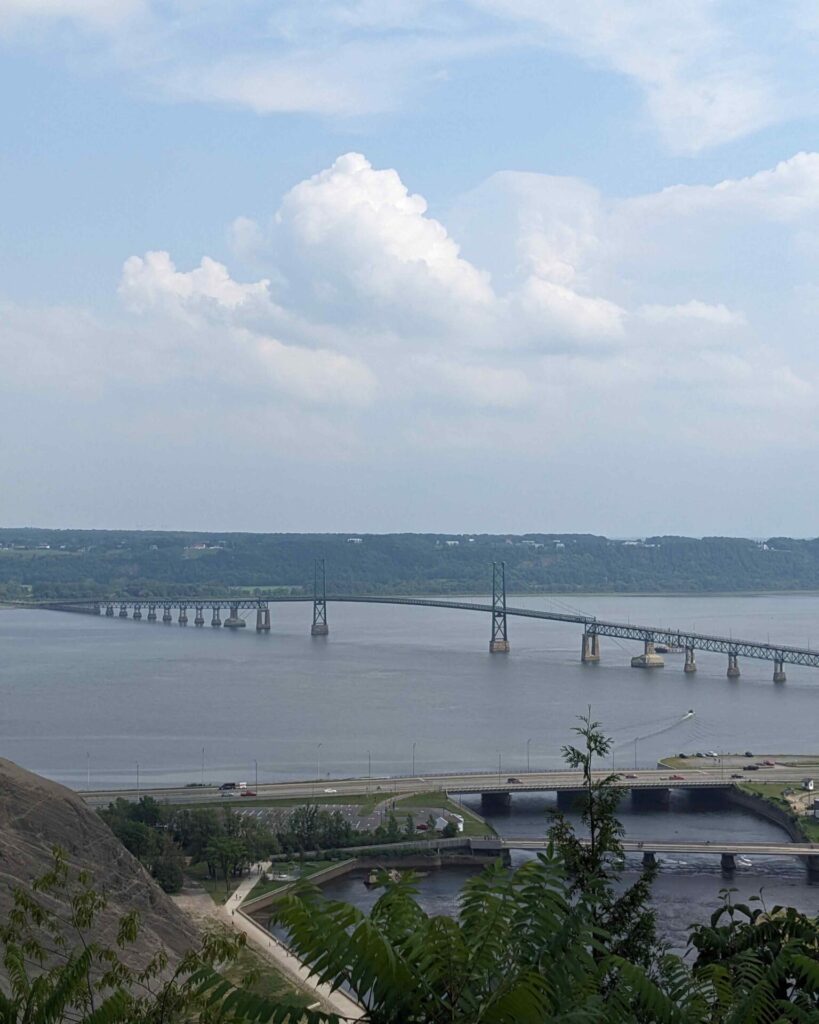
(58, 971)
(226, 854)
(594, 861)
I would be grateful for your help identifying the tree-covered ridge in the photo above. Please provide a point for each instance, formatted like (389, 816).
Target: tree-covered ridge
(53, 563)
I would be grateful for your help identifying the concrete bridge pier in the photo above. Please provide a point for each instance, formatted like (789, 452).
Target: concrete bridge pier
(779, 671)
(649, 658)
(690, 661)
(151, 613)
(728, 863)
(199, 619)
(183, 615)
(496, 801)
(109, 611)
(733, 666)
(568, 799)
(656, 798)
(590, 648)
(97, 608)
(234, 620)
(137, 611)
(216, 620)
(166, 614)
(262, 620)
(123, 612)
(812, 864)
(649, 859)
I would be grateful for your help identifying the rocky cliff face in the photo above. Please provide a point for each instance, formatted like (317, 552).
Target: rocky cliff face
(36, 815)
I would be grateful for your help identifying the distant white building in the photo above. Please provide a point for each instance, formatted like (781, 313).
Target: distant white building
(452, 543)
(808, 785)
(354, 540)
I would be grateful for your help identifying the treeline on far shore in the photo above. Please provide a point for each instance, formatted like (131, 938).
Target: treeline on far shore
(42, 564)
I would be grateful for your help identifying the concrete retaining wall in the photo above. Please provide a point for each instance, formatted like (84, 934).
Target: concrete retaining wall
(765, 809)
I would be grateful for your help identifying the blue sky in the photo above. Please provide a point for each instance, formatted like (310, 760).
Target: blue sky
(496, 265)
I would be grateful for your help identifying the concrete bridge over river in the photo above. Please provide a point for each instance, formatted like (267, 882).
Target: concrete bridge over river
(727, 851)
(655, 640)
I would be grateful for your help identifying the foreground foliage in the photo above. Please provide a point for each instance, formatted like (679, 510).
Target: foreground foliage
(560, 939)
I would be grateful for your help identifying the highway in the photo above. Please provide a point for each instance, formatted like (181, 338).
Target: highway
(711, 777)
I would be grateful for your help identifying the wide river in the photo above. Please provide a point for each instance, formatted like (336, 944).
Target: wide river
(86, 697)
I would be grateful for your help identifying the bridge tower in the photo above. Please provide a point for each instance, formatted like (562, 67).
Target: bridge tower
(499, 644)
(319, 627)
(263, 617)
(779, 670)
(733, 665)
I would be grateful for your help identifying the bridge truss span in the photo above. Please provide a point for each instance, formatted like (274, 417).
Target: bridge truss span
(656, 640)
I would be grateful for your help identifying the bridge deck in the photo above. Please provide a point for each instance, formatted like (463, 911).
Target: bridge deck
(786, 849)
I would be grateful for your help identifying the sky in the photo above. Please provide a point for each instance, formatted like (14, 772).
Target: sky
(410, 265)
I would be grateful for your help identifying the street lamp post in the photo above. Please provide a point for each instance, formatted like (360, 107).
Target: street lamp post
(413, 759)
(203, 766)
(137, 764)
(635, 753)
(528, 765)
(318, 761)
(369, 765)
(499, 767)
(256, 765)
(88, 769)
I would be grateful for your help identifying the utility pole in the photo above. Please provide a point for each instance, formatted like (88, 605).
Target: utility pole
(413, 760)
(256, 764)
(87, 769)
(528, 766)
(203, 766)
(137, 764)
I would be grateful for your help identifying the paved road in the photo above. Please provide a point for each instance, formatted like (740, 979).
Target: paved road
(688, 778)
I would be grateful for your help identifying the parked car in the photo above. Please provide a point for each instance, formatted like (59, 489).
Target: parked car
(422, 827)
(513, 779)
(330, 790)
(630, 775)
(699, 753)
(736, 775)
(769, 764)
(749, 753)
(678, 778)
(682, 757)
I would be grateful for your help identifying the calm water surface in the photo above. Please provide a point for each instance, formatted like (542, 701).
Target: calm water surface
(77, 691)
(80, 693)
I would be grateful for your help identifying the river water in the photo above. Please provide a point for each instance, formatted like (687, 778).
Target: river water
(90, 698)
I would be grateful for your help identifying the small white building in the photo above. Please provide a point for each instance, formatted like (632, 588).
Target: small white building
(354, 540)
(808, 785)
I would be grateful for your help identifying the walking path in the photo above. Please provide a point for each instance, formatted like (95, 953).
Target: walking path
(270, 947)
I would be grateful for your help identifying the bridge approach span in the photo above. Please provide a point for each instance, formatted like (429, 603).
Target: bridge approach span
(651, 637)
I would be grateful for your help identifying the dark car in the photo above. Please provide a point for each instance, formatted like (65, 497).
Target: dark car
(736, 775)
(749, 753)
(228, 785)
(513, 778)
(750, 768)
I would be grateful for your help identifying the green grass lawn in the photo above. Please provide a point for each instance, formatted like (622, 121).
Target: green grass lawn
(259, 976)
(310, 867)
(473, 826)
(215, 887)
